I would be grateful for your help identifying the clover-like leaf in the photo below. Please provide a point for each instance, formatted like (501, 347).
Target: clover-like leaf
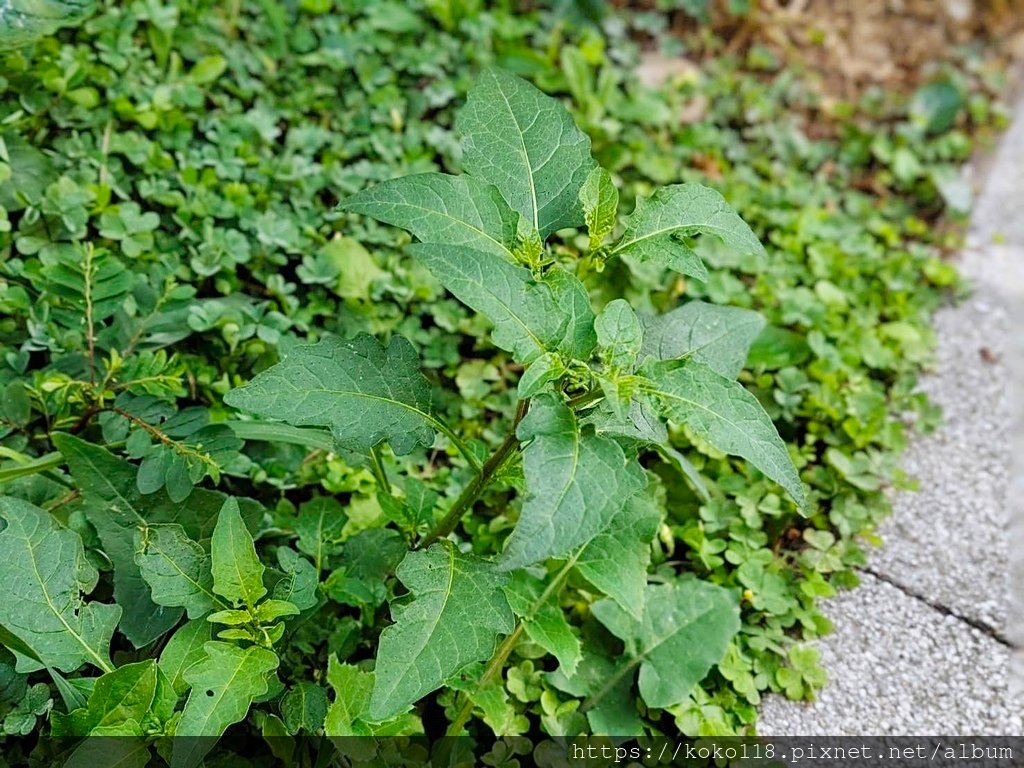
(457, 610)
(723, 412)
(47, 577)
(685, 630)
(365, 393)
(655, 226)
(526, 144)
(438, 208)
(576, 482)
(720, 337)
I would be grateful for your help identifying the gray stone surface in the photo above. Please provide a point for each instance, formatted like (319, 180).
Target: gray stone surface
(899, 668)
(907, 656)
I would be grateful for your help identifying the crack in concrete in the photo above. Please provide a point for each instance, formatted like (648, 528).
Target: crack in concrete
(981, 626)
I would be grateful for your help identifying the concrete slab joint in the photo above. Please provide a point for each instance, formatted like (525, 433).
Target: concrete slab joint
(930, 642)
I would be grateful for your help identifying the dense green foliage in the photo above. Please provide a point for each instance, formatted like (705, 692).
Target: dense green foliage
(169, 231)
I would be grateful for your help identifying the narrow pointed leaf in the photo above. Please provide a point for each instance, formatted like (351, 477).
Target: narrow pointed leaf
(720, 337)
(237, 571)
(545, 624)
(576, 482)
(438, 208)
(681, 210)
(526, 144)
(47, 578)
(457, 611)
(527, 320)
(177, 569)
(600, 200)
(365, 393)
(685, 630)
(224, 685)
(725, 414)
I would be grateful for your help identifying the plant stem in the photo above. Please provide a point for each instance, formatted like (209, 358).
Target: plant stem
(460, 445)
(479, 483)
(497, 662)
(378, 471)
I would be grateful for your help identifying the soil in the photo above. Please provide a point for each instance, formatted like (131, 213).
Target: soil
(855, 44)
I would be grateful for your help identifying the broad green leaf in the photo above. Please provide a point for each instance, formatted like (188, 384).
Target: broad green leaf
(224, 684)
(304, 707)
(438, 208)
(454, 617)
(545, 369)
(492, 699)
(177, 569)
(526, 144)
(110, 752)
(300, 581)
(719, 337)
(365, 393)
(24, 21)
(682, 210)
(600, 200)
(685, 630)
(527, 320)
(237, 570)
(616, 559)
(318, 526)
(47, 578)
(544, 623)
(352, 689)
(577, 338)
(115, 507)
(138, 692)
(619, 334)
(725, 414)
(185, 648)
(615, 712)
(576, 482)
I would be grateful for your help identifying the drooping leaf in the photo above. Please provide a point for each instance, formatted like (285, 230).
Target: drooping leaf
(685, 630)
(177, 569)
(719, 337)
(457, 610)
(681, 210)
(115, 507)
(224, 684)
(300, 581)
(724, 413)
(185, 648)
(526, 144)
(619, 334)
(110, 752)
(304, 708)
(138, 695)
(600, 200)
(615, 711)
(576, 482)
(47, 579)
(577, 339)
(352, 689)
(527, 320)
(544, 622)
(616, 559)
(438, 208)
(237, 570)
(365, 393)
(319, 525)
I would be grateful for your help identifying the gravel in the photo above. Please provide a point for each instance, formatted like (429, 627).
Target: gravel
(907, 656)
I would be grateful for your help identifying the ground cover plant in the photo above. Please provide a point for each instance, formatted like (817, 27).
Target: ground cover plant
(172, 239)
